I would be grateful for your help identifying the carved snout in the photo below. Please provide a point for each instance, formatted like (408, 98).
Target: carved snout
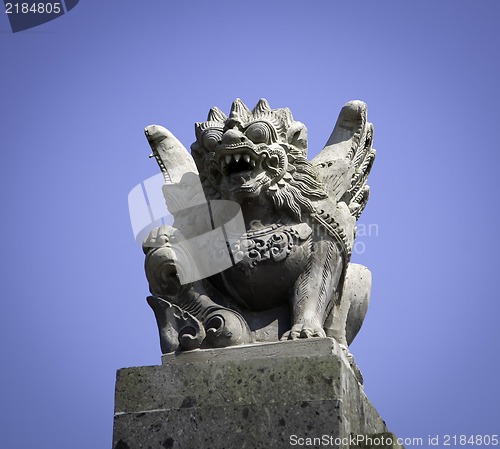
(232, 136)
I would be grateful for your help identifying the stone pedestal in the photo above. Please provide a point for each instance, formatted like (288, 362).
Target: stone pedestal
(275, 395)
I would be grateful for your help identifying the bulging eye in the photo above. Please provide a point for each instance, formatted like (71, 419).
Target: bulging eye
(210, 138)
(259, 132)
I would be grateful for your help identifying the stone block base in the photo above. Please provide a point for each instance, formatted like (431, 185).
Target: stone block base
(274, 395)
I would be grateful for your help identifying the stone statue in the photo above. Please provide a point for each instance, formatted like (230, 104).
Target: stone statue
(260, 245)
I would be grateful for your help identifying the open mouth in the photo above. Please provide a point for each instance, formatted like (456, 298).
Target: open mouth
(237, 163)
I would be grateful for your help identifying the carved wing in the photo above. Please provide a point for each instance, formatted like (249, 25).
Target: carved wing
(347, 158)
(173, 159)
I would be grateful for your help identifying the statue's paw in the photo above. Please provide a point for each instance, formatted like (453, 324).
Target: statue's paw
(305, 329)
(161, 271)
(158, 238)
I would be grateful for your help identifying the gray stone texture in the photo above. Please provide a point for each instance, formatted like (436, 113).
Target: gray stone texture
(260, 246)
(254, 396)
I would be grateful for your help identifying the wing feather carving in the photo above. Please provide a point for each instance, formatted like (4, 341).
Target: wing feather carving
(347, 158)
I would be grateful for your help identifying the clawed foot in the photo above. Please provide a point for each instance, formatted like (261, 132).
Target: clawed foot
(304, 329)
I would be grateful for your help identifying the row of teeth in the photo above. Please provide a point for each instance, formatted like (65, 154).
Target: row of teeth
(229, 157)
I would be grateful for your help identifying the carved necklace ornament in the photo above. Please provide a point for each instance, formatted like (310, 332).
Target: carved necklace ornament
(274, 242)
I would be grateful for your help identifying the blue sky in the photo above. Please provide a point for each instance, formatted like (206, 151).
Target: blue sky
(76, 94)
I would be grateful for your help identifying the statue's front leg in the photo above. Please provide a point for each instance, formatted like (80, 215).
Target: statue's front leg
(199, 320)
(315, 290)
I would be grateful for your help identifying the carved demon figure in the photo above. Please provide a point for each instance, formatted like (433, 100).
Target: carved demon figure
(289, 274)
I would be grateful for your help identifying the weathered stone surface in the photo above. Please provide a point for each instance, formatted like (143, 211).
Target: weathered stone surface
(260, 246)
(255, 396)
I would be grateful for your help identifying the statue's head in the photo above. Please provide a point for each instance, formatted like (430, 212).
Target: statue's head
(249, 153)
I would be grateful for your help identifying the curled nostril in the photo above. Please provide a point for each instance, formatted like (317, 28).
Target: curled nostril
(242, 139)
